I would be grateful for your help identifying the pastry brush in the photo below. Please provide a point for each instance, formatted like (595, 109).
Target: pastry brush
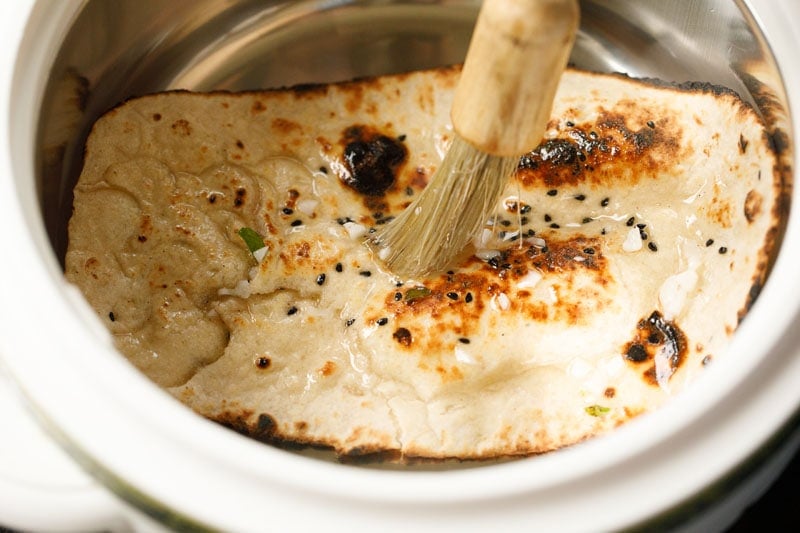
(517, 53)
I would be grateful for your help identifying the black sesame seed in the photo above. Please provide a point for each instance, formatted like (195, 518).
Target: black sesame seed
(603, 231)
(398, 284)
(723, 249)
(409, 191)
(552, 192)
(651, 124)
(463, 340)
(398, 296)
(530, 233)
(339, 267)
(652, 246)
(263, 362)
(505, 223)
(382, 321)
(287, 210)
(321, 279)
(324, 170)
(452, 295)
(586, 220)
(545, 249)
(401, 137)
(709, 242)
(524, 221)
(292, 310)
(350, 322)
(365, 273)
(605, 201)
(111, 316)
(554, 225)
(580, 197)
(343, 220)
(569, 124)
(643, 234)
(525, 209)
(468, 297)
(547, 218)
(588, 251)
(630, 221)
(297, 222)
(641, 226)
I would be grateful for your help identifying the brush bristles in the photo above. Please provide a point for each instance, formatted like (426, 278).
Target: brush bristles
(450, 211)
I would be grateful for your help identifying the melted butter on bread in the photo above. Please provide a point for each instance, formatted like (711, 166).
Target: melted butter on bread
(620, 261)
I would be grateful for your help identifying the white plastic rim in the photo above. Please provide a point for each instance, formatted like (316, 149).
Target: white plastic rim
(156, 454)
(35, 469)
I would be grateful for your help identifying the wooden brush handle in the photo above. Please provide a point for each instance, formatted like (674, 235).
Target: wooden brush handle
(518, 51)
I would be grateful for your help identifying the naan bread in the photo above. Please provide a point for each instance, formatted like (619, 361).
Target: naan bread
(621, 260)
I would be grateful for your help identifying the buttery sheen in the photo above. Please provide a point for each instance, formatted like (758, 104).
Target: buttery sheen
(620, 261)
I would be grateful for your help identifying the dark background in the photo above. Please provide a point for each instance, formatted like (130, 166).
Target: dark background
(780, 505)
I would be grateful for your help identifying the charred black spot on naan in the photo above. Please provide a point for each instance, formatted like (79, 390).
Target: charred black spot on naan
(372, 160)
(586, 153)
(659, 343)
(403, 336)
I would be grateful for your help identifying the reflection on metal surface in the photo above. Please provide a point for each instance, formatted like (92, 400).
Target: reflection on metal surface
(129, 48)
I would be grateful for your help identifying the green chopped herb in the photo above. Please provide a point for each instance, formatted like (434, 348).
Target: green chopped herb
(417, 292)
(252, 239)
(597, 410)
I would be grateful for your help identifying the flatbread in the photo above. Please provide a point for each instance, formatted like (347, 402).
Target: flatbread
(620, 262)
